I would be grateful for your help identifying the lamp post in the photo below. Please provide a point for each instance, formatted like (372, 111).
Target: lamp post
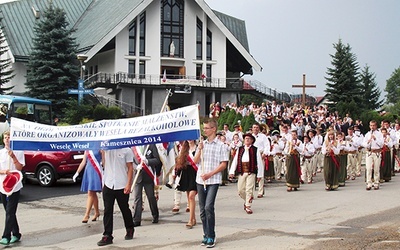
(81, 89)
(81, 58)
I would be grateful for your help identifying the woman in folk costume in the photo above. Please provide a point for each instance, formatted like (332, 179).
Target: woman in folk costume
(386, 163)
(91, 182)
(293, 170)
(277, 147)
(344, 149)
(234, 146)
(186, 171)
(330, 149)
(247, 163)
(269, 159)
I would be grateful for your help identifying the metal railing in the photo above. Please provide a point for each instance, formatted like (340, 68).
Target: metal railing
(264, 89)
(174, 80)
(126, 108)
(125, 78)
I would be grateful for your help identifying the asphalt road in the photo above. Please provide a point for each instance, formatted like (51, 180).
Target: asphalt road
(32, 191)
(311, 218)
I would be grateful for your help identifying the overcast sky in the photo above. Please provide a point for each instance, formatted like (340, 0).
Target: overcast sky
(292, 37)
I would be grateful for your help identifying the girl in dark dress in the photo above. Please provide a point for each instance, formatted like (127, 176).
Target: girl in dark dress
(331, 151)
(187, 170)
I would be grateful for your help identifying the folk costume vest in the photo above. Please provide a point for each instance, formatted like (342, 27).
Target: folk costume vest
(252, 159)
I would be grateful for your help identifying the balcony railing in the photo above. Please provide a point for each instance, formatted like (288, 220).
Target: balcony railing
(125, 78)
(108, 80)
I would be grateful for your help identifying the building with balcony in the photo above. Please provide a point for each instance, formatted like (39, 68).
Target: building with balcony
(137, 49)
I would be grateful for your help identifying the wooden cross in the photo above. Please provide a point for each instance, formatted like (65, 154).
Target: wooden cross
(304, 86)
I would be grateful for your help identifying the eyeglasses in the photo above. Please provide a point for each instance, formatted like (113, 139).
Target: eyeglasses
(207, 128)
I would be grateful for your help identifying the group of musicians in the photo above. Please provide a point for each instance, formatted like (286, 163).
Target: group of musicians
(338, 153)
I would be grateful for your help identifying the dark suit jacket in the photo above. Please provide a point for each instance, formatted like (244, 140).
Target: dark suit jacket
(154, 162)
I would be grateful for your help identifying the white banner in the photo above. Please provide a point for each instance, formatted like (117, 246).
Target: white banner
(175, 125)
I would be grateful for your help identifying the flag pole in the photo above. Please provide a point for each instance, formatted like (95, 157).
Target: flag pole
(169, 93)
(201, 153)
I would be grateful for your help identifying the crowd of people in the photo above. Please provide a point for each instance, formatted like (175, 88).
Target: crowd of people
(290, 144)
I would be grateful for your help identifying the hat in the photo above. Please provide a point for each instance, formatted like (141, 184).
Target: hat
(249, 135)
(275, 132)
(236, 126)
(10, 182)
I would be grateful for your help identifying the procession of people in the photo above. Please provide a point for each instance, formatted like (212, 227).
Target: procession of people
(288, 145)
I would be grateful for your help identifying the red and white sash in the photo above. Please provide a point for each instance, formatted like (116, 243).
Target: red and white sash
(95, 163)
(190, 160)
(145, 167)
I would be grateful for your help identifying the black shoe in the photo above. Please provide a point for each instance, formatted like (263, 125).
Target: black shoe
(136, 224)
(129, 234)
(155, 220)
(168, 186)
(106, 240)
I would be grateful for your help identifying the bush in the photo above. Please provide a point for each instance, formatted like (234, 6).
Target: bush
(86, 120)
(100, 112)
(114, 112)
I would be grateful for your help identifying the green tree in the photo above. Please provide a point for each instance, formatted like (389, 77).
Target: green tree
(248, 122)
(74, 112)
(238, 117)
(393, 87)
(343, 78)
(247, 99)
(371, 93)
(6, 74)
(52, 66)
(231, 119)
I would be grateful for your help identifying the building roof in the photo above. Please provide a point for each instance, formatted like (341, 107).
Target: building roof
(98, 21)
(18, 21)
(236, 26)
(106, 15)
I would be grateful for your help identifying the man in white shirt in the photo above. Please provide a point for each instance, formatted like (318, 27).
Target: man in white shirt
(118, 176)
(373, 142)
(247, 163)
(10, 161)
(228, 133)
(261, 143)
(354, 143)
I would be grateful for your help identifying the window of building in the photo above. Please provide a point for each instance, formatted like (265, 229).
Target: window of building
(131, 69)
(209, 45)
(199, 71)
(208, 72)
(142, 45)
(172, 18)
(132, 38)
(142, 69)
(199, 40)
